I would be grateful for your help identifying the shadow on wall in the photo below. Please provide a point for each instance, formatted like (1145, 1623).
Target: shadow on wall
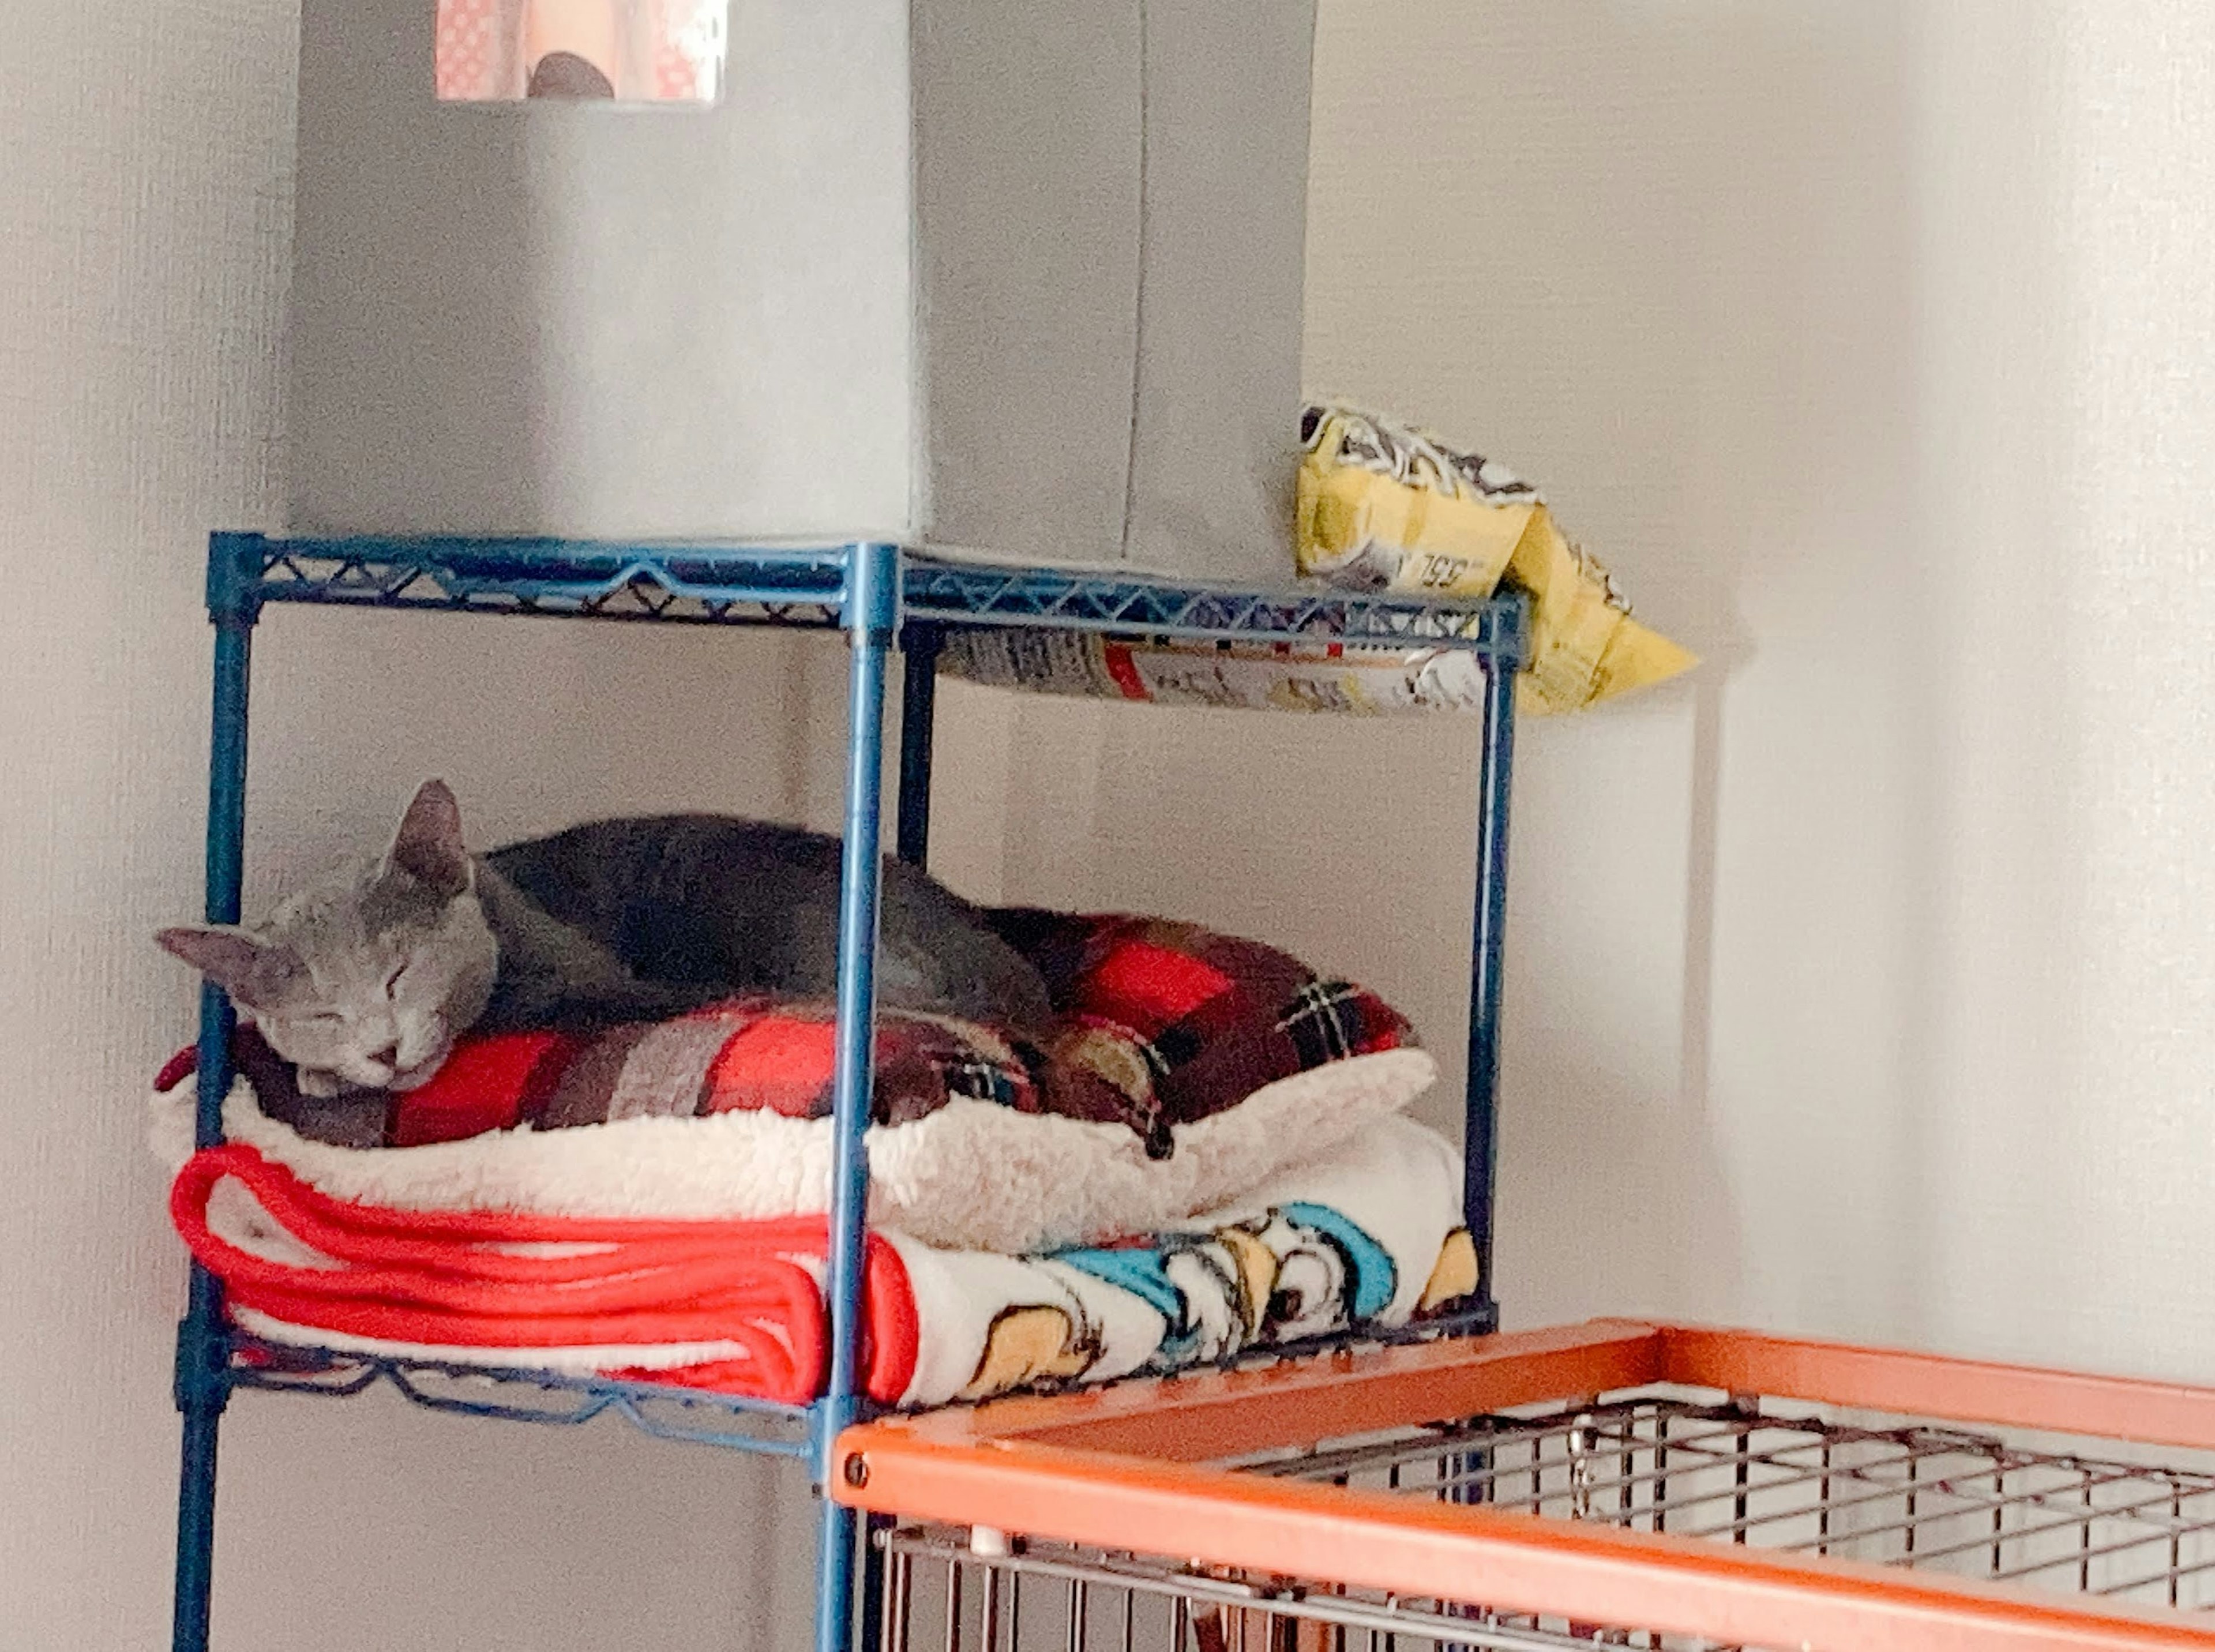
(1770, 299)
(1662, 259)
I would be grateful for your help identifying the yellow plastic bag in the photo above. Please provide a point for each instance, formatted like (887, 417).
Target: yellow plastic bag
(1584, 646)
(1384, 507)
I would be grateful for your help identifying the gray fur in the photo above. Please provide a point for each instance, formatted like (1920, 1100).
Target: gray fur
(365, 978)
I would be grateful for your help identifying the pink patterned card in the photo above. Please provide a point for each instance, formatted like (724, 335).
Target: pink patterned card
(624, 51)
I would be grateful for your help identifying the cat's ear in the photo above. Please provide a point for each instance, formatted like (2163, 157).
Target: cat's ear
(428, 846)
(255, 973)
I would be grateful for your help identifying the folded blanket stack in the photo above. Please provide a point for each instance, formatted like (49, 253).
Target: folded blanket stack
(648, 1202)
(1366, 1238)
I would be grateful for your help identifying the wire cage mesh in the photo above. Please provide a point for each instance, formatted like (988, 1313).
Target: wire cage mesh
(2084, 1517)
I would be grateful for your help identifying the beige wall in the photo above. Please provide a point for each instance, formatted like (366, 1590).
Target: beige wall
(1863, 986)
(143, 211)
(1867, 986)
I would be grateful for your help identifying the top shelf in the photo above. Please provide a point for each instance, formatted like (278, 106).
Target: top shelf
(815, 586)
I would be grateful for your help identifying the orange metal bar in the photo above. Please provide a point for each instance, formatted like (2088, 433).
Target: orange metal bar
(1126, 1468)
(1208, 1415)
(1927, 1386)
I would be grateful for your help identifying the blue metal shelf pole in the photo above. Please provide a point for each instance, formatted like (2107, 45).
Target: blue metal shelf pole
(919, 646)
(1481, 1147)
(203, 1385)
(871, 616)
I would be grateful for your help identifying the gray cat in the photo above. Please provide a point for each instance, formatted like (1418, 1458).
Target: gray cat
(365, 979)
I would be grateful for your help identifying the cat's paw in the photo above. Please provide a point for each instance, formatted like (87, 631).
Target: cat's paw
(314, 1083)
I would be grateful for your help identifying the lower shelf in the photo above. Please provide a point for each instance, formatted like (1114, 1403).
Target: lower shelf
(518, 1394)
(692, 1415)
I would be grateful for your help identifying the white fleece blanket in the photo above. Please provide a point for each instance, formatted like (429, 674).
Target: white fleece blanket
(972, 1176)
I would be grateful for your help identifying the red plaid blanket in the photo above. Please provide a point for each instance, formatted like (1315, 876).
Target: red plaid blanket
(1163, 1023)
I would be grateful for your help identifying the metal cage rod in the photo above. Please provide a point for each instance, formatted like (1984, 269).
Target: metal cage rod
(1184, 1590)
(1947, 1503)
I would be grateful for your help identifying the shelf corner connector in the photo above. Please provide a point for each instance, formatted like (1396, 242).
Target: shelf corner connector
(872, 604)
(234, 577)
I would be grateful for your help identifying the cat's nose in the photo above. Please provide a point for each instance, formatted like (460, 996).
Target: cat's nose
(388, 1057)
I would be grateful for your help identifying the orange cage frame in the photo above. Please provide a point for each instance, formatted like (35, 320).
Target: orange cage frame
(1134, 1467)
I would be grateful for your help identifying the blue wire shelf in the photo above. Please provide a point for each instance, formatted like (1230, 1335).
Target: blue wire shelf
(808, 586)
(887, 598)
(963, 594)
(508, 1394)
(689, 1416)
(567, 578)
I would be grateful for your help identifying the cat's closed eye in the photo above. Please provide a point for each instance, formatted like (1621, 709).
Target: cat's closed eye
(392, 981)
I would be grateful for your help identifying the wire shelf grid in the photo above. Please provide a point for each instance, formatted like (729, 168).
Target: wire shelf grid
(1139, 606)
(680, 585)
(2008, 1509)
(885, 597)
(717, 585)
(693, 1416)
(515, 1394)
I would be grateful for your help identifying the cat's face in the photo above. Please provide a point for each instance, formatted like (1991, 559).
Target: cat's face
(367, 976)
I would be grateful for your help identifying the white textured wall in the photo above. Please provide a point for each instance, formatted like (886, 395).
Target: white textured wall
(144, 219)
(1866, 983)
(1865, 987)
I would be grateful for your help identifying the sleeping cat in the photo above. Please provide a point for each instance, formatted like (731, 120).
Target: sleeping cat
(365, 979)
